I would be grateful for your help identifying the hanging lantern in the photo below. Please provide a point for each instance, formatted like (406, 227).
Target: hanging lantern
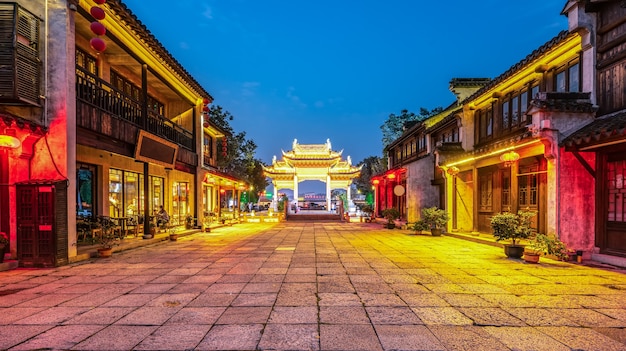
(97, 13)
(97, 28)
(205, 124)
(509, 158)
(98, 44)
(100, 2)
(454, 170)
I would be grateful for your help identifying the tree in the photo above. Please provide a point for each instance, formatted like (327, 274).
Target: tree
(372, 166)
(239, 159)
(395, 125)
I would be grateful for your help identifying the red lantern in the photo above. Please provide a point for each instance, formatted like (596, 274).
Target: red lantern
(97, 13)
(97, 28)
(98, 44)
(205, 124)
(205, 101)
(100, 1)
(205, 108)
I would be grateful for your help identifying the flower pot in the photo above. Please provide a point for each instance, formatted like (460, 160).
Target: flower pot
(105, 252)
(531, 257)
(513, 251)
(390, 225)
(173, 237)
(436, 231)
(2, 253)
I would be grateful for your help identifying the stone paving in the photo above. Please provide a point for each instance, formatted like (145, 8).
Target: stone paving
(313, 286)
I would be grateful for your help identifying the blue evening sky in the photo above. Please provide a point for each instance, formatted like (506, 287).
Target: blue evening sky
(336, 69)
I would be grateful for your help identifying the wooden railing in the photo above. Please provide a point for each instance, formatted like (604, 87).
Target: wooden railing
(105, 98)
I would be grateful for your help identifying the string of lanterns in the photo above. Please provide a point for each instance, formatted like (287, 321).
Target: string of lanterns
(224, 147)
(205, 112)
(98, 28)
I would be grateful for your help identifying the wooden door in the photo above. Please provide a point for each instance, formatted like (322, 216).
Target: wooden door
(614, 236)
(35, 225)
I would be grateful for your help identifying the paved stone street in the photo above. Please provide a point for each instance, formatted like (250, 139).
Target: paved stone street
(313, 286)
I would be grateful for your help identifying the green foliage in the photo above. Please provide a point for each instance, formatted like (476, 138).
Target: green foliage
(367, 209)
(548, 245)
(370, 167)
(4, 240)
(419, 226)
(391, 214)
(511, 226)
(281, 203)
(395, 125)
(240, 158)
(434, 217)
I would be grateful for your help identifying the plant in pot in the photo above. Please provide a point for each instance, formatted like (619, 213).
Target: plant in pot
(513, 227)
(188, 222)
(391, 214)
(435, 219)
(4, 244)
(366, 213)
(173, 234)
(542, 244)
(419, 226)
(107, 240)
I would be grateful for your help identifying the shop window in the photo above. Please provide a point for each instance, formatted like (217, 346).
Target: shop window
(484, 118)
(85, 190)
(506, 189)
(486, 192)
(126, 193)
(528, 186)
(180, 202)
(116, 177)
(567, 78)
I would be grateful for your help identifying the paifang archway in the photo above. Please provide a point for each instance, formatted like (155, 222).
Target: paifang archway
(312, 162)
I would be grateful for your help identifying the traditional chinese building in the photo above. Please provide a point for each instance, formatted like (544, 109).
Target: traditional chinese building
(102, 121)
(312, 162)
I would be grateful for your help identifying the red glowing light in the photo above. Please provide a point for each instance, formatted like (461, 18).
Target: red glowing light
(97, 13)
(376, 181)
(98, 44)
(97, 28)
(392, 176)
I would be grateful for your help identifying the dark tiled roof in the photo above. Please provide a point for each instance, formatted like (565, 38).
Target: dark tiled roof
(518, 66)
(10, 119)
(603, 129)
(564, 102)
(150, 40)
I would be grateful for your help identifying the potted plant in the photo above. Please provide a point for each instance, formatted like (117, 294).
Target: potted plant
(152, 228)
(107, 240)
(4, 243)
(435, 219)
(542, 244)
(419, 226)
(366, 213)
(391, 214)
(173, 234)
(513, 227)
(188, 222)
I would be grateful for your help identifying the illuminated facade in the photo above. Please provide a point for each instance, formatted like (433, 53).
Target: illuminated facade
(546, 135)
(312, 162)
(115, 127)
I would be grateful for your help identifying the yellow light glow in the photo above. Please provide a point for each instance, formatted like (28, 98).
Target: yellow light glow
(9, 142)
(493, 153)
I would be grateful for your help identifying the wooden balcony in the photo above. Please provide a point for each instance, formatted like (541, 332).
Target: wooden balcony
(105, 111)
